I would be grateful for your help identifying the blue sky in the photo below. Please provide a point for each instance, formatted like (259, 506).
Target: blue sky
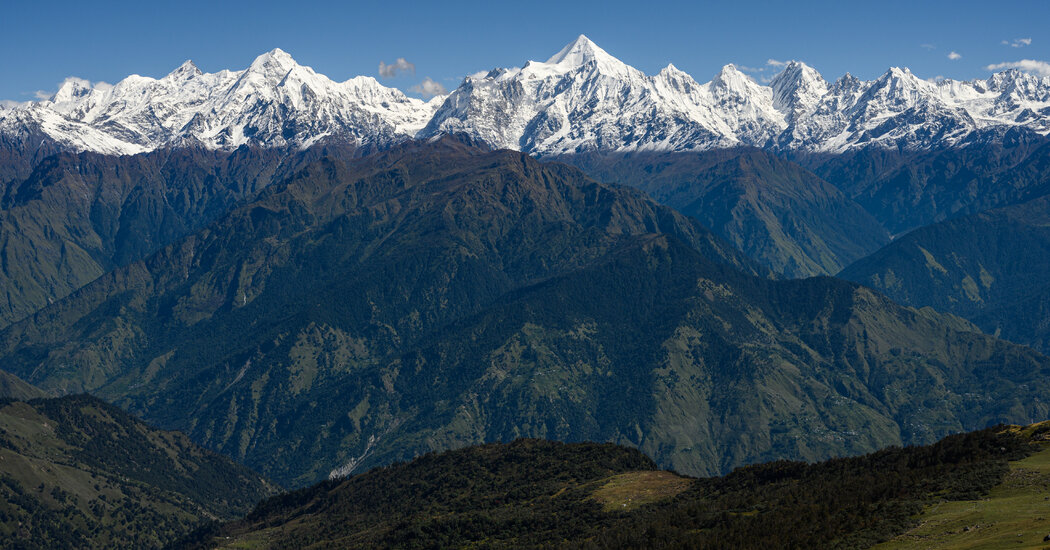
(43, 43)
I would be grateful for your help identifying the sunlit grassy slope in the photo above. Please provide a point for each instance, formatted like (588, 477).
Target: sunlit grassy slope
(1015, 514)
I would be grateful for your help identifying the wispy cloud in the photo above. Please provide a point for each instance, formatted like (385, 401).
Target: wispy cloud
(11, 104)
(771, 65)
(954, 55)
(429, 88)
(1017, 42)
(76, 81)
(391, 70)
(1041, 68)
(928, 46)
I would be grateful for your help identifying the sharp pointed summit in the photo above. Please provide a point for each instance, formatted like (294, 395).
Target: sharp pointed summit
(275, 61)
(578, 52)
(795, 74)
(188, 69)
(797, 90)
(731, 78)
(584, 51)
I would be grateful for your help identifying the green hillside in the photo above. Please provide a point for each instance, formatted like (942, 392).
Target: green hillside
(1012, 515)
(78, 473)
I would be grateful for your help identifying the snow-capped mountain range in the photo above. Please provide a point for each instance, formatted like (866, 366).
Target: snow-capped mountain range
(581, 99)
(275, 102)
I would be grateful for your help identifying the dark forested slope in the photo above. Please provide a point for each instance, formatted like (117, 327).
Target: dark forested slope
(532, 493)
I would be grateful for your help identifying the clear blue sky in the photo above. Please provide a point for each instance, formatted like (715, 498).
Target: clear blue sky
(44, 42)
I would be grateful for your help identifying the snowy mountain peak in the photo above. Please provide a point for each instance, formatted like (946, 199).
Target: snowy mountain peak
(273, 62)
(901, 85)
(583, 52)
(70, 90)
(677, 82)
(733, 79)
(187, 70)
(899, 73)
(797, 89)
(797, 73)
(578, 52)
(1011, 79)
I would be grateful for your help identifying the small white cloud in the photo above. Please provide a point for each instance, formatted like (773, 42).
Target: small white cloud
(771, 64)
(954, 55)
(1017, 42)
(1041, 68)
(928, 46)
(391, 70)
(11, 104)
(429, 88)
(77, 81)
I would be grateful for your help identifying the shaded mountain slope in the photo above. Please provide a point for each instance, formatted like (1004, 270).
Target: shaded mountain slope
(989, 267)
(532, 494)
(435, 296)
(75, 217)
(775, 211)
(13, 387)
(385, 250)
(76, 472)
(20, 153)
(907, 190)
